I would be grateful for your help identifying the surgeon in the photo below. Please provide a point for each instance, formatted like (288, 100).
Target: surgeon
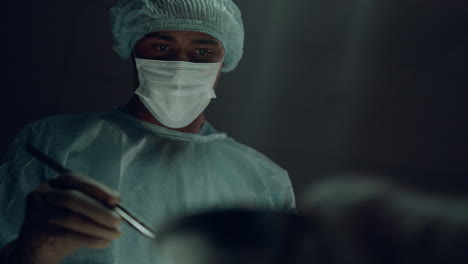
(157, 155)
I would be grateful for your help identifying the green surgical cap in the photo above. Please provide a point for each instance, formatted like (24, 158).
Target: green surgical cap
(133, 19)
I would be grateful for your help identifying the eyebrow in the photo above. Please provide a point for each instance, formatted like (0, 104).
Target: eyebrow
(171, 39)
(161, 36)
(205, 42)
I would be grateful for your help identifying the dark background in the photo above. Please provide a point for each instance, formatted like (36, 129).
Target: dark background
(324, 85)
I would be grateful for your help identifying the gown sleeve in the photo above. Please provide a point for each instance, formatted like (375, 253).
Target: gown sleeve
(19, 174)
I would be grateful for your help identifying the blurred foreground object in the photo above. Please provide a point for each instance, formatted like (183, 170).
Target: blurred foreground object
(343, 221)
(370, 220)
(239, 236)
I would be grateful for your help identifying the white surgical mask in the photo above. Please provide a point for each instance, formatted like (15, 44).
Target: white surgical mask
(176, 92)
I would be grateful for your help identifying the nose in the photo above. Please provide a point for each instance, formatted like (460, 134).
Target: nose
(181, 55)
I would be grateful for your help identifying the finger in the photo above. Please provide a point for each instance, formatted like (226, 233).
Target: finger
(82, 204)
(83, 240)
(84, 226)
(62, 223)
(38, 211)
(86, 185)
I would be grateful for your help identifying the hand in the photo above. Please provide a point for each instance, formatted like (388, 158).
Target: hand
(64, 214)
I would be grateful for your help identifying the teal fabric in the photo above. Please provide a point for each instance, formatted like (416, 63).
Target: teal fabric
(133, 19)
(160, 174)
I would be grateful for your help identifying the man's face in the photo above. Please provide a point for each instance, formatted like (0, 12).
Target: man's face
(187, 46)
(179, 46)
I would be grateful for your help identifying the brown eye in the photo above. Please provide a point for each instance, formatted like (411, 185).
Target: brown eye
(160, 47)
(203, 52)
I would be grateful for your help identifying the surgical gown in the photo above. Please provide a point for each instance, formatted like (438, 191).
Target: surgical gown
(159, 173)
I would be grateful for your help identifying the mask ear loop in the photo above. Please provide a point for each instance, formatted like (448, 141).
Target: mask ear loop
(136, 78)
(222, 63)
